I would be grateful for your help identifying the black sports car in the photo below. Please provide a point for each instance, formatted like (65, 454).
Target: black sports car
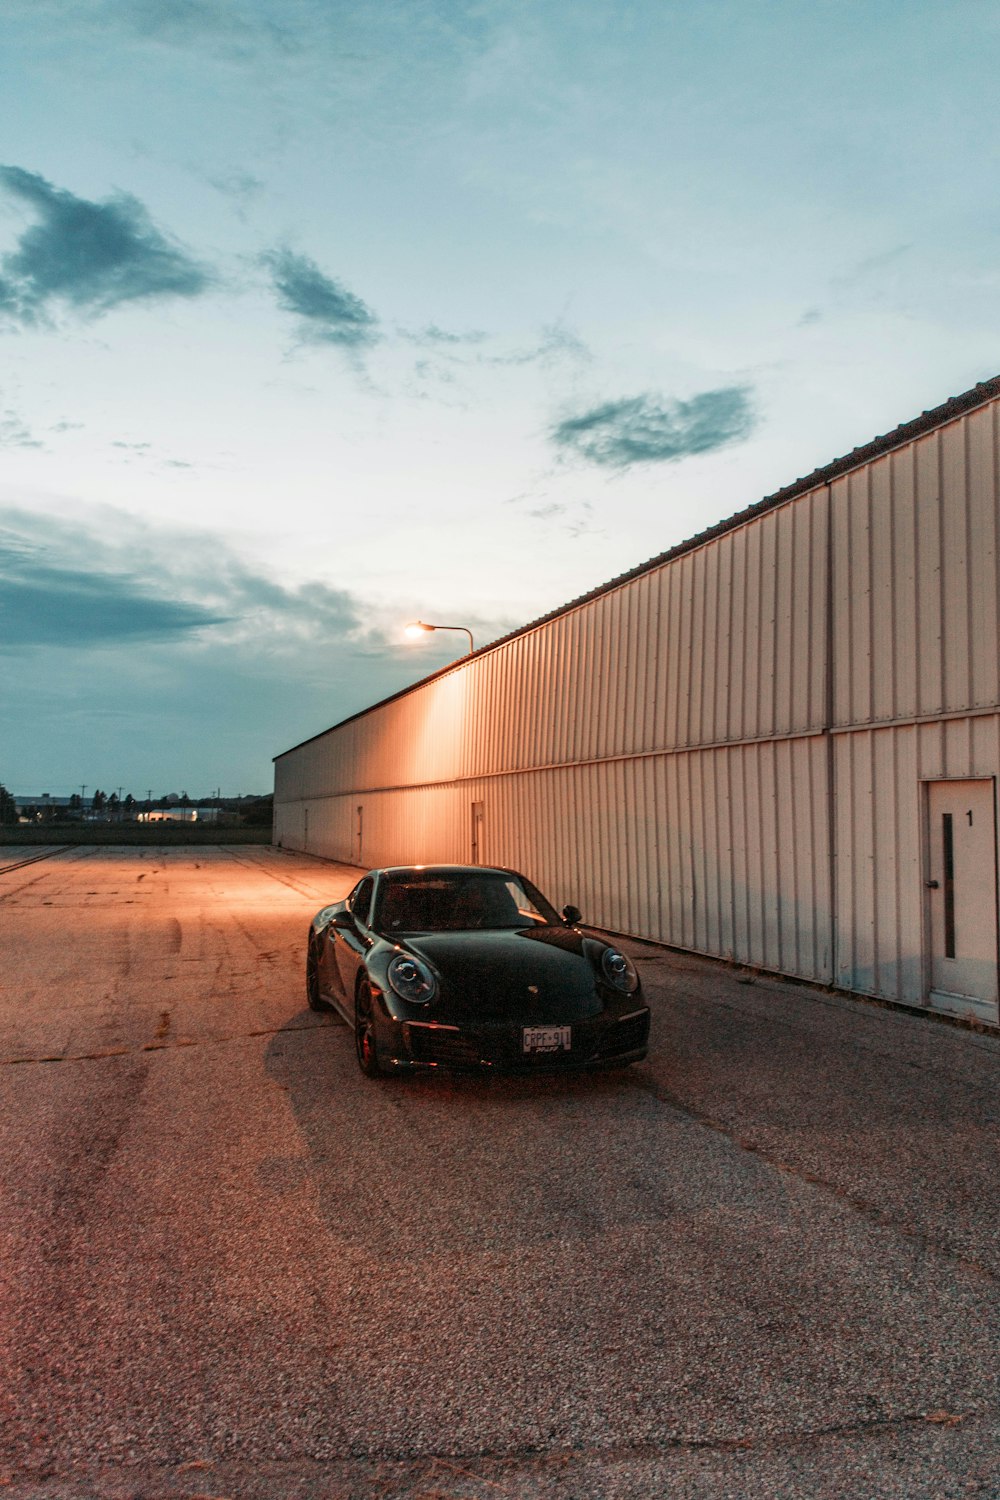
(466, 967)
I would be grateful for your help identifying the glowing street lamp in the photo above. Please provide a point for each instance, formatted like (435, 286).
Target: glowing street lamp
(418, 628)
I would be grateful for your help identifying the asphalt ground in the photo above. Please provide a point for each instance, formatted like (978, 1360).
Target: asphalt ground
(763, 1263)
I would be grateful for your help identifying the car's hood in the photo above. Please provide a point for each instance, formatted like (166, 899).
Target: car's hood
(525, 974)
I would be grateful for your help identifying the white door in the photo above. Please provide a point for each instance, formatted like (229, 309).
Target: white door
(962, 891)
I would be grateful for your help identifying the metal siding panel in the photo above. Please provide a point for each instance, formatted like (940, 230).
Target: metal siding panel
(788, 585)
(901, 562)
(695, 725)
(767, 640)
(709, 669)
(860, 597)
(907, 871)
(885, 871)
(751, 644)
(955, 554)
(696, 844)
(840, 564)
(589, 697)
(725, 658)
(883, 591)
(984, 597)
(929, 596)
(727, 861)
(818, 632)
(669, 656)
(754, 785)
(646, 647)
(738, 639)
(685, 647)
(771, 904)
(845, 860)
(742, 926)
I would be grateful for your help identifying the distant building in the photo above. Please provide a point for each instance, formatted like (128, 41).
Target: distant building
(176, 814)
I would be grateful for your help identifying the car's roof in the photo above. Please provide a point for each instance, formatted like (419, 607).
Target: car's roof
(443, 870)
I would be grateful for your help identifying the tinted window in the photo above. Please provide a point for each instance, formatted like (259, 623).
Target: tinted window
(460, 903)
(360, 899)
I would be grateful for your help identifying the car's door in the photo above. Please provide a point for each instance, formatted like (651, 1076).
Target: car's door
(351, 940)
(329, 969)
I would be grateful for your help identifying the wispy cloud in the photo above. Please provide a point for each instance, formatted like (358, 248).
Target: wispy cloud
(329, 313)
(234, 29)
(556, 343)
(432, 336)
(164, 653)
(89, 256)
(116, 582)
(14, 433)
(45, 605)
(649, 429)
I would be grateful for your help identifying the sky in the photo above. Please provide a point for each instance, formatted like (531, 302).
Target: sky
(317, 318)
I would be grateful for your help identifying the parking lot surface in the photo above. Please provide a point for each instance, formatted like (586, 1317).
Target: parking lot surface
(765, 1262)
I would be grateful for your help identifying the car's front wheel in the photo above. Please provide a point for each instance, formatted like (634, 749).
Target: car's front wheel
(364, 1032)
(313, 996)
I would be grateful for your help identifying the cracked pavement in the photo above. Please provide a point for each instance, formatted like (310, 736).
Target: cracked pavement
(762, 1263)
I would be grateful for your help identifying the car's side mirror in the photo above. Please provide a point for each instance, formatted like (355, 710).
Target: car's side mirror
(572, 915)
(342, 919)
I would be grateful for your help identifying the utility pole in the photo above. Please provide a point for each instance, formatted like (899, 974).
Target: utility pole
(83, 792)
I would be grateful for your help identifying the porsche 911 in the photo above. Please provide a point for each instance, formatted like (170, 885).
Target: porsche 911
(465, 967)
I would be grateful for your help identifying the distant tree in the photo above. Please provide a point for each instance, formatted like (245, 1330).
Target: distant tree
(8, 807)
(258, 811)
(99, 800)
(75, 802)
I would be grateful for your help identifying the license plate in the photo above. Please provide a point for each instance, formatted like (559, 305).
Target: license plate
(546, 1039)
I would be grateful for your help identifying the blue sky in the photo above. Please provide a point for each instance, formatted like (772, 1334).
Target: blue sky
(317, 318)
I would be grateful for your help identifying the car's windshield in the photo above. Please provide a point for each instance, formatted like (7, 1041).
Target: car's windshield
(435, 902)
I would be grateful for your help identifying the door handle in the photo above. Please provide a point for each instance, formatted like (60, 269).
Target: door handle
(932, 885)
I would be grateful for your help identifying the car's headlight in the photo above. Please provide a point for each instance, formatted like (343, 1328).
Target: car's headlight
(619, 971)
(411, 979)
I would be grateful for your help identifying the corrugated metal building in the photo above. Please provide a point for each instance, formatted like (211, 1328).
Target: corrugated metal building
(777, 743)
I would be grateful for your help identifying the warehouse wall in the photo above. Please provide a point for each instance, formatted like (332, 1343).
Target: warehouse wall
(727, 752)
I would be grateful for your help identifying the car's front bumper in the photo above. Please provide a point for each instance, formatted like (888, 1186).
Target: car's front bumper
(599, 1041)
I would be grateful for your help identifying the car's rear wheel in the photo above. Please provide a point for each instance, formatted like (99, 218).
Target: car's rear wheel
(364, 1032)
(313, 996)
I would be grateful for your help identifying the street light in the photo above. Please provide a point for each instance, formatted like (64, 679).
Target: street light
(418, 627)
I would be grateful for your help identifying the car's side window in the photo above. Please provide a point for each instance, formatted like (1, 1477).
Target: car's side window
(360, 899)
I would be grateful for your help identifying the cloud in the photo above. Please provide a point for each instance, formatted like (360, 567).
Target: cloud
(433, 335)
(556, 343)
(116, 582)
(185, 23)
(648, 429)
(45, 602)
(90, 256)
(161, 658)
(14, 434)
(330, 313)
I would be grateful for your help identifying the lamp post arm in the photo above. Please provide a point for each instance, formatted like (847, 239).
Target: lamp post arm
(463, 628)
